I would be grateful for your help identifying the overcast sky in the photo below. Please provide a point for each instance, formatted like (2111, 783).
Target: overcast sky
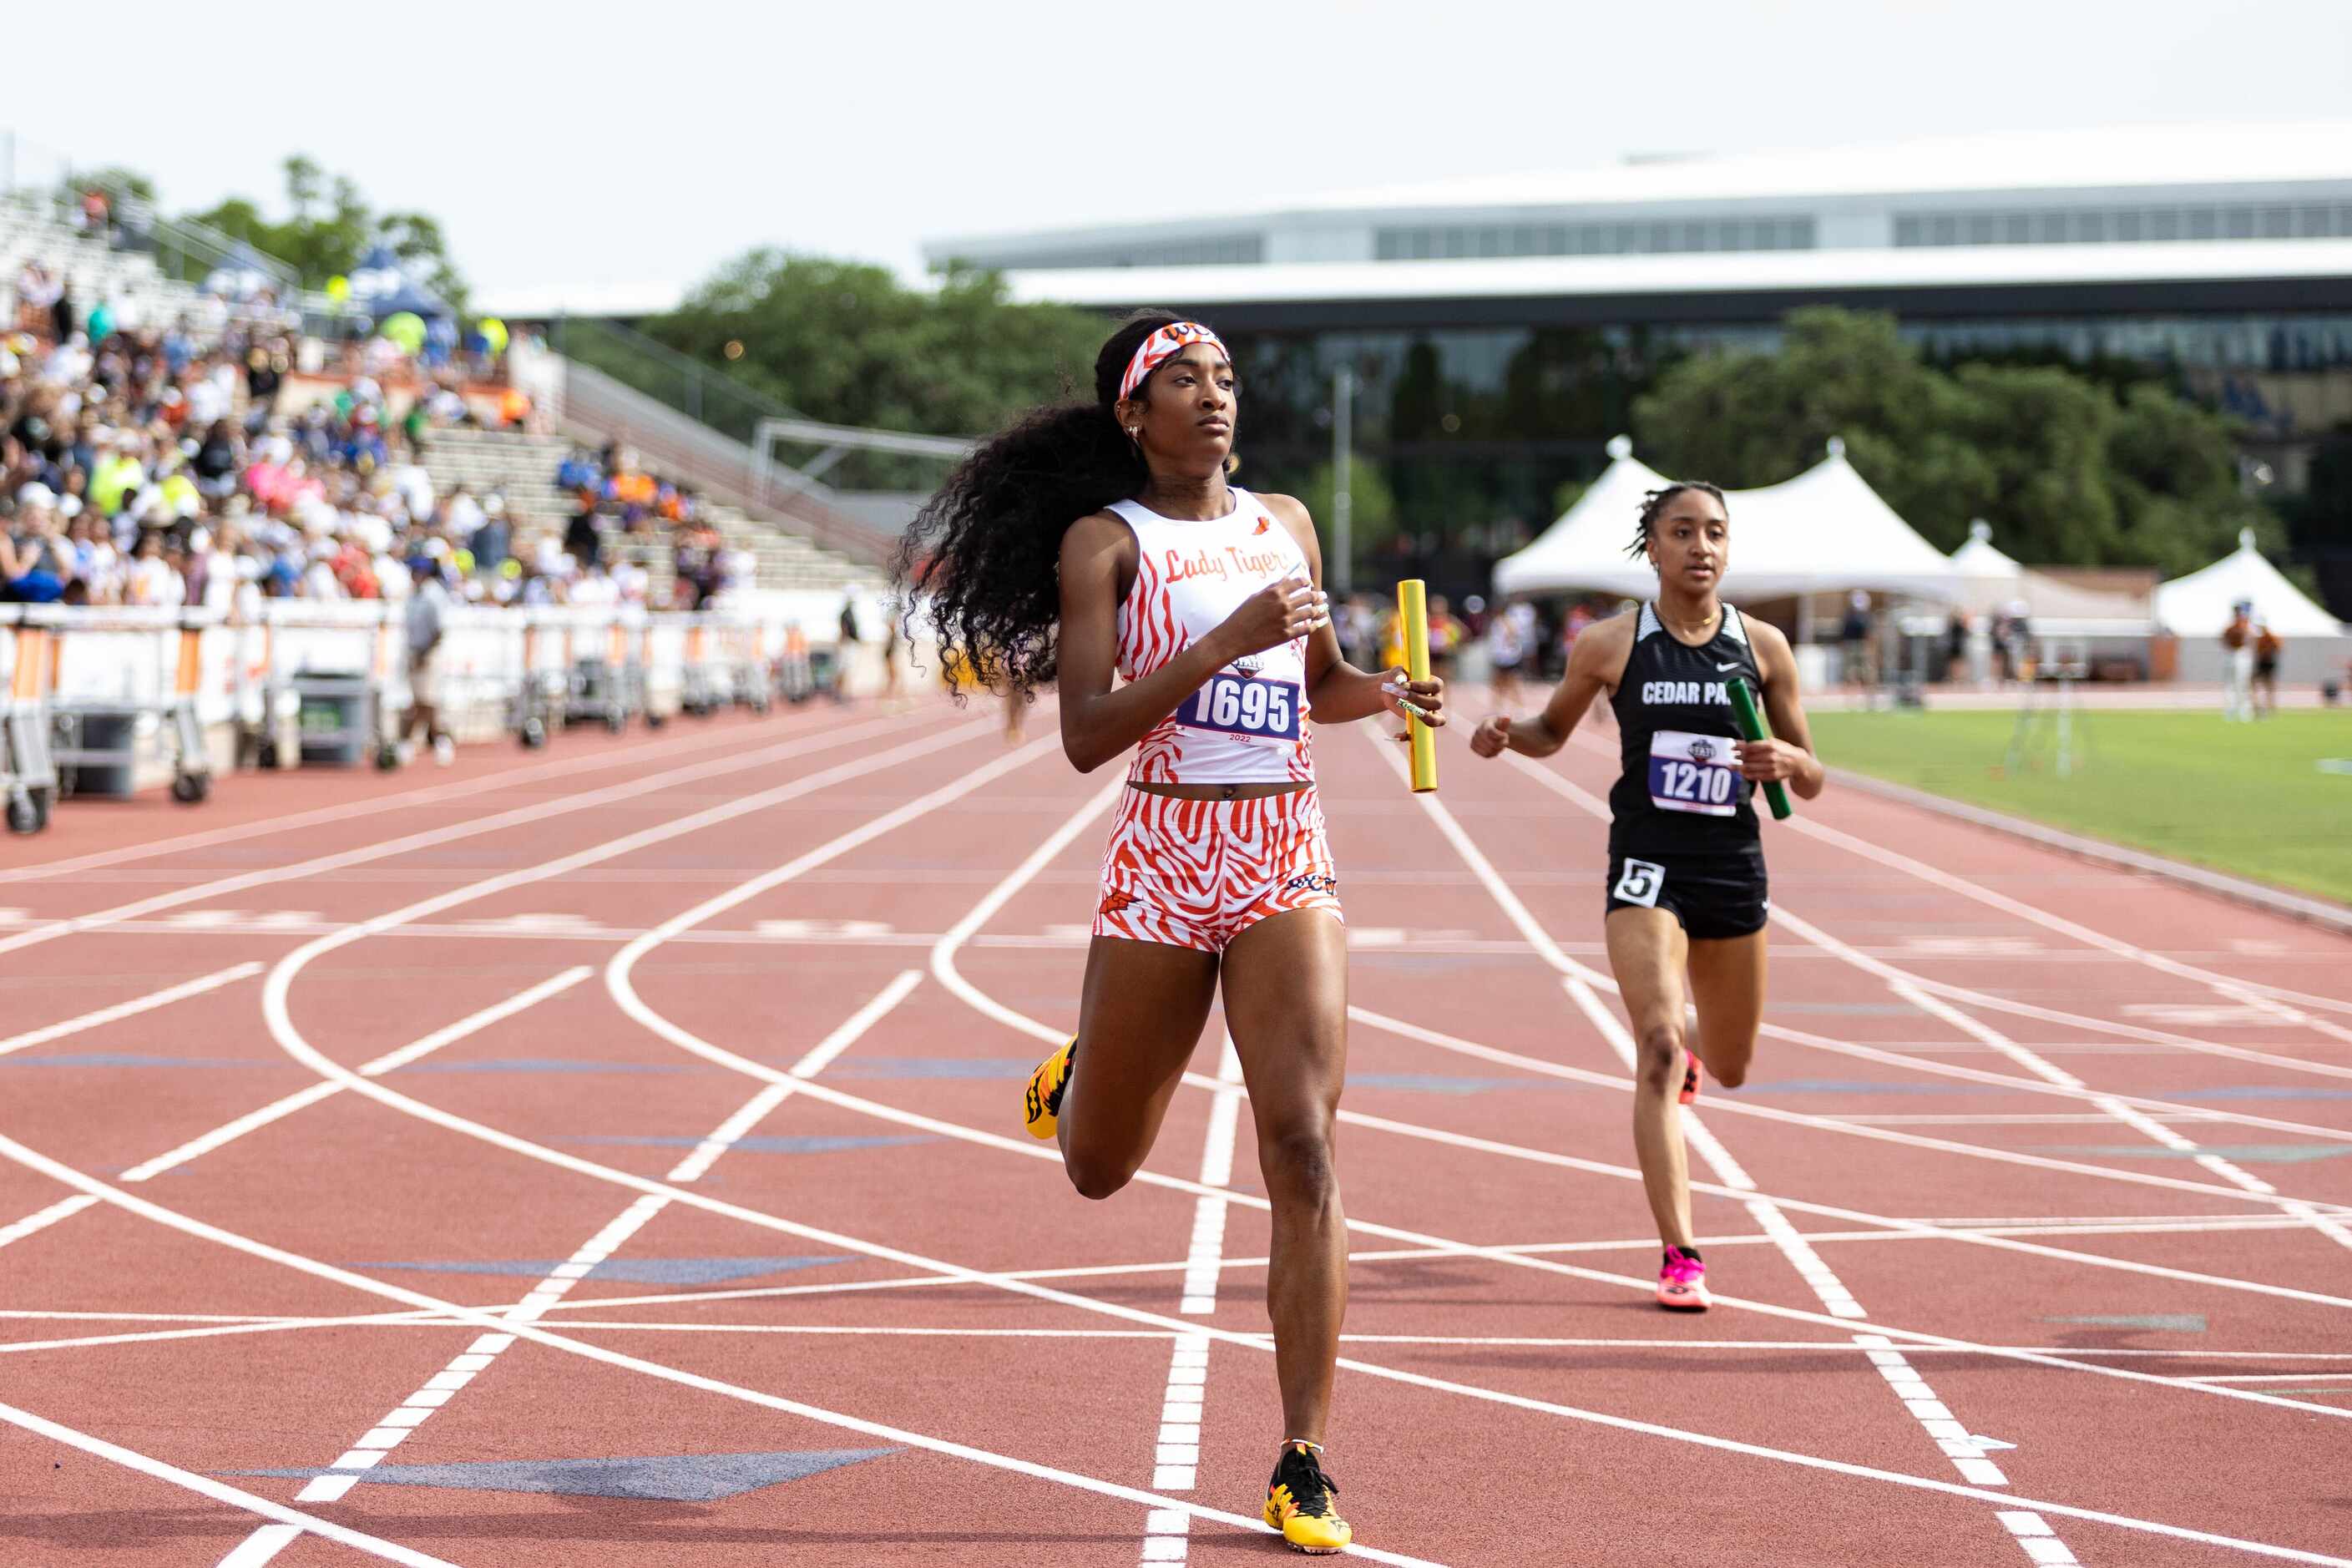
(597, 144)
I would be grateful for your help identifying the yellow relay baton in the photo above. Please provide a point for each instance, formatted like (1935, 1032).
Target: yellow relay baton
(1413, 609)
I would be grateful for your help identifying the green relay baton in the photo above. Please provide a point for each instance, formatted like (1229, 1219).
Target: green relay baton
(1744, 713)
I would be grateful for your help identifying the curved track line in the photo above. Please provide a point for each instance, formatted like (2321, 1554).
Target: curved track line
(2268, 999)
(1503, 1057)
(219, 1491)
(462, 789)
(522, 816)
(1532, 930)
(943, 967)
(474, 1317)
(292, 1042)
(11, 1150)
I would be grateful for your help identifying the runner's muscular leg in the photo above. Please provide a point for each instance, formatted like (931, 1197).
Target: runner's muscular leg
(1139, 1016)
(1287, 1003)
(1648, 953)
(1726, 980)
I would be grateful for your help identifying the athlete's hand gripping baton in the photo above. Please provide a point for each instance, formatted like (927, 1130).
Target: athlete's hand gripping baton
(1413, 609)
(1744, 714)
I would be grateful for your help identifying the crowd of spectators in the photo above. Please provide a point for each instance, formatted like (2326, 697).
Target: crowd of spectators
(611, 490)
(169, 467)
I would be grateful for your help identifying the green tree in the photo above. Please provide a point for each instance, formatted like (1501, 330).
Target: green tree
(2074, 470)
(847, 342)
(331, 226)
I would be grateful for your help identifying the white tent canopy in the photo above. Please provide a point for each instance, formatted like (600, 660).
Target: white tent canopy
(2200, 603)
(1992, 582)
(1825, 530)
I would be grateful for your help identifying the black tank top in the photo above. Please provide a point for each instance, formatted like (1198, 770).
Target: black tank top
(1680, 792)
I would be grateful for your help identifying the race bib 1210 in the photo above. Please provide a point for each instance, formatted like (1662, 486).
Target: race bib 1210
(1694, 772)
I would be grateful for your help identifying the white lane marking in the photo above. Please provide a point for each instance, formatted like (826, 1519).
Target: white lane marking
(1919, 1399)
(1176, 1447)
(261, 1546)
(478, 1357)
(11, 1150)
(943, 965)
(526, 816)
(2264, 999)
(219, 1491)
(253, 1121)
(282, 1027)
(1859, 1127)
(1835, 1296)
(34, 1159)
(820, 1057)
(1586, 801)
(40, 1220)
(131, 1009)
(466, 789)
(2137, 1121)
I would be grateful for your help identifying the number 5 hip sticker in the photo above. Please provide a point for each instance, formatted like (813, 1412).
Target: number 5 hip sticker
(1640, 883)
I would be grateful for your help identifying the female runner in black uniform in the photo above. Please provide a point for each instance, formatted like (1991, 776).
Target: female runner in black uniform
(1686, 888)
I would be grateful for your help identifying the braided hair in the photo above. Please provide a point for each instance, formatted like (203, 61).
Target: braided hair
(1653, 504)
(985, 550)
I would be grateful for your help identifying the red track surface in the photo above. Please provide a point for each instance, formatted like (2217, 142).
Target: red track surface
(1934, 1134)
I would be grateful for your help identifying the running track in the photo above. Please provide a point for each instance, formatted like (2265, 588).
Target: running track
(610, 1155)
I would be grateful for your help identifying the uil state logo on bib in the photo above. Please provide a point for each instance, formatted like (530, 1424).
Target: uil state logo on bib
(1693, 773)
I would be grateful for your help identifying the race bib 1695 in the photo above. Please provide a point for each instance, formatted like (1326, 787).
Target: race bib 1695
(1245, 705)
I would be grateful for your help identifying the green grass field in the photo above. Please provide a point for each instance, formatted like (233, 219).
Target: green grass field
(2245, 798)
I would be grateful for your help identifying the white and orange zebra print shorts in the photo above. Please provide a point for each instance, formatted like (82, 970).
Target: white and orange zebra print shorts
(1198, 873)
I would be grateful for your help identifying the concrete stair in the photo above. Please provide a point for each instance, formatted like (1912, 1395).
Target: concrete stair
(92, 270)
(520, 468)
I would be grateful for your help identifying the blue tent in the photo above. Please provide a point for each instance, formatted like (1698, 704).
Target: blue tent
(382, 287)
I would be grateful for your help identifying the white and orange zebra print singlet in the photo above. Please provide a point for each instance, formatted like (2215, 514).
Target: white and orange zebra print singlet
(1248, 723)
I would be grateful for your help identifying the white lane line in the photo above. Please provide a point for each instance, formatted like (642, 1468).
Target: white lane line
(437, 1390)
(219, 1491)
(465, 789)
(186, 1225)
(943, 965)
(820, 1057)
(253, 1121)
(64, 1208)
(261, 1546)
(1902, 986)
(11, 1150)
(1176, 1449)
(525, 816)
(1835, 1296)
(131, 1009)
(1553, 953)
(1850, 1126)
(1919, 1401)
(2264, 999)
(282, 1027)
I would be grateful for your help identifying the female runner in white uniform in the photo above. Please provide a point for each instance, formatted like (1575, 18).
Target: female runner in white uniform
(1102, 539)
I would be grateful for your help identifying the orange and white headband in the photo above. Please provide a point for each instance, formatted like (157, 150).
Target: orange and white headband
(1162, 346)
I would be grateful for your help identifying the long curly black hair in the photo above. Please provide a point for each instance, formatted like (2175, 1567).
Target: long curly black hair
(983, 556)
(1653, 503)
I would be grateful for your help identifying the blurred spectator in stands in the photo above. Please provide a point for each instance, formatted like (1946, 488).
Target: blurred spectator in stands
(1855, 636)
(580, 539)
(514, 408)
(35, 567)
(493, 542)
(151, 582)
(265, 372)
(37, 292)
(217, 462)
(577, 472)
(63, 317)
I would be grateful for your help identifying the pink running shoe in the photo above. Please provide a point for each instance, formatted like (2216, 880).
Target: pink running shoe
(1682, 1282)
